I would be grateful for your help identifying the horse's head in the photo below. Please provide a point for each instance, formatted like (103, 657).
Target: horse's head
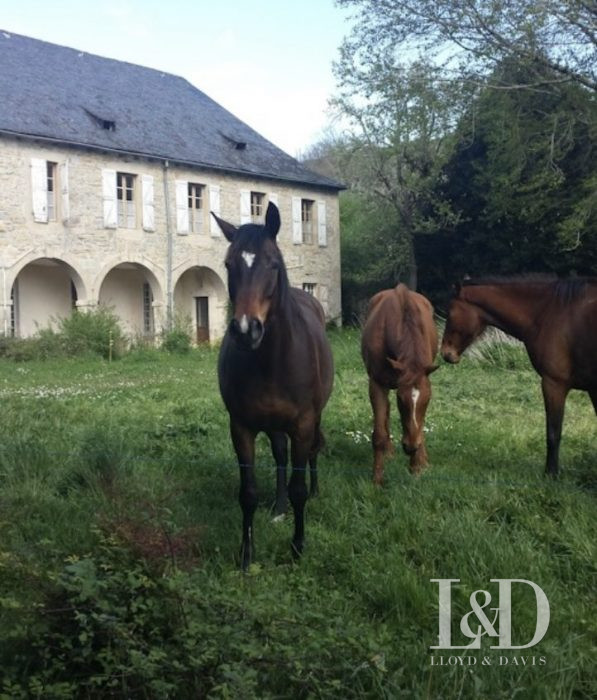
(464, 325)
(413, 394)
(256, 276)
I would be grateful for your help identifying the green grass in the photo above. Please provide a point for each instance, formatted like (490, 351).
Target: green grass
(120, 529)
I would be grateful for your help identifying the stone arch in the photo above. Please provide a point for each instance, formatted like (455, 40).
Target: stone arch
(133, 291)
(42, 291)
(201, 295)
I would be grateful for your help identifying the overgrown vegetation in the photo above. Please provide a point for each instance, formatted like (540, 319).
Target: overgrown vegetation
(97, 333)
(119, 536)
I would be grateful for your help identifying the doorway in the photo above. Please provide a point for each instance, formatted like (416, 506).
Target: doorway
(202, 316)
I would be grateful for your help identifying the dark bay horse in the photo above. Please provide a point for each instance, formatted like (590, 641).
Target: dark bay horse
(557, 322)
(275, 371)
(398, 345)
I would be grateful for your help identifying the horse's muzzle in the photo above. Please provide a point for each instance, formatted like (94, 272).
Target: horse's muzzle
(248, 333)
(451, 356)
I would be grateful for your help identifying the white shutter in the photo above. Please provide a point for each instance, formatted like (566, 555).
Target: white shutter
(322, 233)
(245, 207)
(39, 189)
(182, 206)
(63, 176)
(109, 198)
(148, 208)
(214, 205)
(297, 224)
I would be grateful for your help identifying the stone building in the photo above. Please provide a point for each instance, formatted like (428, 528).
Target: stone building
(108, 172)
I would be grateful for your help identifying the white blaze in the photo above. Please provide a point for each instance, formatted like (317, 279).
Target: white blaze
(415, 393)
(249, 258)
(244, 324)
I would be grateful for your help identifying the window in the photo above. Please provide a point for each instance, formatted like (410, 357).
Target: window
(49, 188)
(307, 220)
(196, 195)
(309, 287)
(14, 310)
(125, 199)
(147, 309)
(51, 169)
(73, 296)
(257, 206)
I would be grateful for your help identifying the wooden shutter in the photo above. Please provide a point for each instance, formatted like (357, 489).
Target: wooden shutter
(147, 199)
(109, 198)
(65, 201)
(214, 205)
(245, 207)
(322, 233)
(182, 206)
(39, 189)
(297, 224)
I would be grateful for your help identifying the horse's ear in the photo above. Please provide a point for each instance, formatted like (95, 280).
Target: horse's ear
(272, 220)
(398, 366)
(227, 229)
(429, 370)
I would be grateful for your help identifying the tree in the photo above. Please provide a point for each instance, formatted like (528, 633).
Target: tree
(399, 120)
(522, 179)
(555, 39)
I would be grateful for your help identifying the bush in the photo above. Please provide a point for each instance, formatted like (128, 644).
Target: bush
(95, 332)
(178, 340)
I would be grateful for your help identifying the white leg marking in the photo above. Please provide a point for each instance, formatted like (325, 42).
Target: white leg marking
(244, 324)
(415, 393)
(249, 258)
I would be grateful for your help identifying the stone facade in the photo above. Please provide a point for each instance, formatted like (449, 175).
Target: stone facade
(149, 265)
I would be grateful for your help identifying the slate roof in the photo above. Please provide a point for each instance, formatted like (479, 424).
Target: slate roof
(73, 97)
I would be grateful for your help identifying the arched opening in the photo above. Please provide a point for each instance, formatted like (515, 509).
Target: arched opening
(133, 292)
(44, 291)
(201, 296)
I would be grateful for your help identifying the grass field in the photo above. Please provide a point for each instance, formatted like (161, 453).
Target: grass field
(120, 530)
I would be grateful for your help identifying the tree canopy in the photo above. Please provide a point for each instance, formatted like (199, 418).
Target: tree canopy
(469, 38)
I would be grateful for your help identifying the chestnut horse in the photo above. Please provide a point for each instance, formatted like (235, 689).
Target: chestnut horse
(557, 322)
(275, 371)
(398, 345)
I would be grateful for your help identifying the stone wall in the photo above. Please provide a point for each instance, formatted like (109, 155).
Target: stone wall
(81, 245)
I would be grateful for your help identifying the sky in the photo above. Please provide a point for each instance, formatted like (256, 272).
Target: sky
(269, 62)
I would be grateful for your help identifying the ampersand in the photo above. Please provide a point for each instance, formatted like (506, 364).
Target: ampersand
(481, 617)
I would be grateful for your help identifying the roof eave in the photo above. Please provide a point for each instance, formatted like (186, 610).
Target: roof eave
(336, 187)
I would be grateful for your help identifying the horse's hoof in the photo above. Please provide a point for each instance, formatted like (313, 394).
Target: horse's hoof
(297, 550)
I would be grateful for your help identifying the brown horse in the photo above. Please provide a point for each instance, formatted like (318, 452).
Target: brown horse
(557, 322)
(398, 345)
(275, 371)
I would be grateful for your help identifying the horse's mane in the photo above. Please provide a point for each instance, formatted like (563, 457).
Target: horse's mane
(565, 289)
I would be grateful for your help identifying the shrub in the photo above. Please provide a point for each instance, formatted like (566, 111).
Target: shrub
(178, 339)
(95, 332)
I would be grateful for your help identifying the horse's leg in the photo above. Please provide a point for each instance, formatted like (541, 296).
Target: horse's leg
(279, 444)
(419, 459)
(244, 446)
(381, 427)
(301, 443)
(554, 398)
(318, 443)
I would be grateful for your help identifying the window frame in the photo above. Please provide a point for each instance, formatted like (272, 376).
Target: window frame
(126, 209)
(307, 220)
(196, 194)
